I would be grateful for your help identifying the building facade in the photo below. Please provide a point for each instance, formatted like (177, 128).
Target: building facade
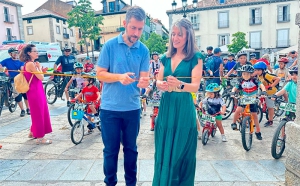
(47, 26)
(269, 25)
(158, 28)
(11, 23)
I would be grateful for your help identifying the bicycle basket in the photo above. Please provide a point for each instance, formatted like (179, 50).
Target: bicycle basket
(77, 114)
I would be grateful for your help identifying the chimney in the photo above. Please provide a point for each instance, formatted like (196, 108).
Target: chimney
(104, 6)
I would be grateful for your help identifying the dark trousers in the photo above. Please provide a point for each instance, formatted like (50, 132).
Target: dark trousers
(120, 127)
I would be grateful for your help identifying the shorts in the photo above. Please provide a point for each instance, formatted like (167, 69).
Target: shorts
(19, 97)
(219, 117)
(270, 103)
(253, 107)
(97, 105)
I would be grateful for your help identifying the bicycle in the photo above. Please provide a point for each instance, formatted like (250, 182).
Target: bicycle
(73, 106)
(143, 100)
(277, 111)
(77, 131)
(153, 116)
(278, 141)
(7, 94)
(228, 100)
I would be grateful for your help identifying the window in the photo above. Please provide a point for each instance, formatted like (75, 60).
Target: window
(223, 39)
(66, 44)
(283, 38)
(111, 6)
(255, 40)
(58, 29)
(60, 43)
(197, 40)
(65, 31)
(195, 21)
(6, 14)
(57, 20)
(29, 30)
(64, 22)
(283, 13)
(71, 32)
(29, 21)
(222, 1)
(72, 45)
(223, 19)
(255, 16)
(8, 34)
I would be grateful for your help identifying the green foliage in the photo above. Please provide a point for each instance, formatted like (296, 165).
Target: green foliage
(238, 42)
(83, 17)
(155, 43)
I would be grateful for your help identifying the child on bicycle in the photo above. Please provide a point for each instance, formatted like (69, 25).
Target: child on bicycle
(78, 78)
(249, 88)
(214, 103)
(92, 97)
(283, 73)
(194, 96)
(270, 82)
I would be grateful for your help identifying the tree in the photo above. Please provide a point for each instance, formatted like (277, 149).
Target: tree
(155, 43)
(83, 17)
(238, 42)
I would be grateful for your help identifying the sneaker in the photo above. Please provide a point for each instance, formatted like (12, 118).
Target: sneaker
(145, 114)
(95, 119)
(68, 103)
(22, 113)
(28, 111)
(199, 136)
(268, 123)
(234, 126)
(224, 138)
(258, 135)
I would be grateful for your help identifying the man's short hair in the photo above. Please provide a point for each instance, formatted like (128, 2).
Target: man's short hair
(135, 12)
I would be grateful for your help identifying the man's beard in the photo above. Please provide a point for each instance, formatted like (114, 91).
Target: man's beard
(129, 38)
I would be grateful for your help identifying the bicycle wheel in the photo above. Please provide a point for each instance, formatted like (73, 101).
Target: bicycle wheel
(70, 110)
(278, 141)
(278, 112)
(51, 92)
(259, 114)
(77, 132)
(213, 133)
(246, 133)
(205, 137)
(12, 104)
(229, 101)
(1, 101)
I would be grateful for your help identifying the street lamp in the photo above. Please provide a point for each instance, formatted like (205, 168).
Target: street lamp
(185, 8)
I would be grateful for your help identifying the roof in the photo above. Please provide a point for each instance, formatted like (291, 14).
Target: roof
(214, 4)
(9, 2)
(43, 13)
(124, 9)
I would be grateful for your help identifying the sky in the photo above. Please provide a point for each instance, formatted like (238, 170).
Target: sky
(156, 8)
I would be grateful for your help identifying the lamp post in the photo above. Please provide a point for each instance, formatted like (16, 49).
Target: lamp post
(185, 8)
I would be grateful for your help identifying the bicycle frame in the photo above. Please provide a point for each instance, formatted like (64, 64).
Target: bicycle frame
(247, 112)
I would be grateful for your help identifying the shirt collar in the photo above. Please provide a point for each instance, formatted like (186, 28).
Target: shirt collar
(121, 40)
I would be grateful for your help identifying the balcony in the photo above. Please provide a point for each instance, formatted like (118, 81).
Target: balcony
(8, 18)
(283, 18)
(255, 21)
(11, 38)
(256, 45)
(111, 29)
(223, 24)
(66, 36)
(283, 43)
(196, 26)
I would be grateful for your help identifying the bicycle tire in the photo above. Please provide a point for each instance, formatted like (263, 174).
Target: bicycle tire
(1, 101)
(275, 139)
(228, 109)
(259, 114)
(70, 120)
(213, 133)
(246, 146)
(205, 137)
(76, 126)
(55, 91)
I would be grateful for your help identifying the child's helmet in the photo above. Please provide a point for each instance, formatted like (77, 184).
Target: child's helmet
(252, 55)
(293, 70)
(284, 60)
(91, 77)
(241, 53)
(260, 65)
(247, 68)
(213, 87)
(78, 65)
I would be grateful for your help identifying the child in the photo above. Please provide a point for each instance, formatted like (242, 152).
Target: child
(283, 73)
(270, 82)
(194, 96)
(91, 95)
(214, 102)
(88, 66)
(79, 80)
(249, 88)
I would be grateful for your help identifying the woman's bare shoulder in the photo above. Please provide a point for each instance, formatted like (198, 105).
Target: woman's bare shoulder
(30, 66)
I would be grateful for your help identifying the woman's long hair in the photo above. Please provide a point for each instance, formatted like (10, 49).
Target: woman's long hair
(24, 53)
(190, 46)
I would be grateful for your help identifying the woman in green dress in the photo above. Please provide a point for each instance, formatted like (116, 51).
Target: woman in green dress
(176, 130)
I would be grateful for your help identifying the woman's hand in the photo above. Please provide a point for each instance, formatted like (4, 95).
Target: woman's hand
(173, 81)
(162, 85)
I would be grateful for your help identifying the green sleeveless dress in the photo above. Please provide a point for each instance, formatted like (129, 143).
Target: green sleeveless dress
(176, 131)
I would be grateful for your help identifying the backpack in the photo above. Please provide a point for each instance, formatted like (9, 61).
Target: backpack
(264, 76)
(21, 84)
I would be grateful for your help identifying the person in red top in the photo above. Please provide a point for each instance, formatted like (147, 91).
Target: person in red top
(91, 95)
(266, 59)
(88, 66)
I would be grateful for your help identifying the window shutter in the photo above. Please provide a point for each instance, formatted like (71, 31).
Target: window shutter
(280, 13)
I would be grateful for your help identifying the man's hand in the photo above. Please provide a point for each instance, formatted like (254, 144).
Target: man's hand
(126, 79)
(173, 81)
(143, 82)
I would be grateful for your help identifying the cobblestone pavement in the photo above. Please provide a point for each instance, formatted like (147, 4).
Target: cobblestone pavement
(22, 162)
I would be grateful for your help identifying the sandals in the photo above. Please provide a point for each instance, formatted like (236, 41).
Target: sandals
(43, 141)
(30, 135)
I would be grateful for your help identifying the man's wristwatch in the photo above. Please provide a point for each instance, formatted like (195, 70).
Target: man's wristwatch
(181, 86)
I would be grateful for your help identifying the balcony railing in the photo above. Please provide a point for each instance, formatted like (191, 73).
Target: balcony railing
(66, 36)
(223, 24)
(11, 38)
(196, 26)
(283, 43)
(283, 18)
(112, 29)
(8, 18)
(256, 45)
(255, 21)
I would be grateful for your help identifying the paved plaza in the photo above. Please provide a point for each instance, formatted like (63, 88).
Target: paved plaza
(22, 162)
